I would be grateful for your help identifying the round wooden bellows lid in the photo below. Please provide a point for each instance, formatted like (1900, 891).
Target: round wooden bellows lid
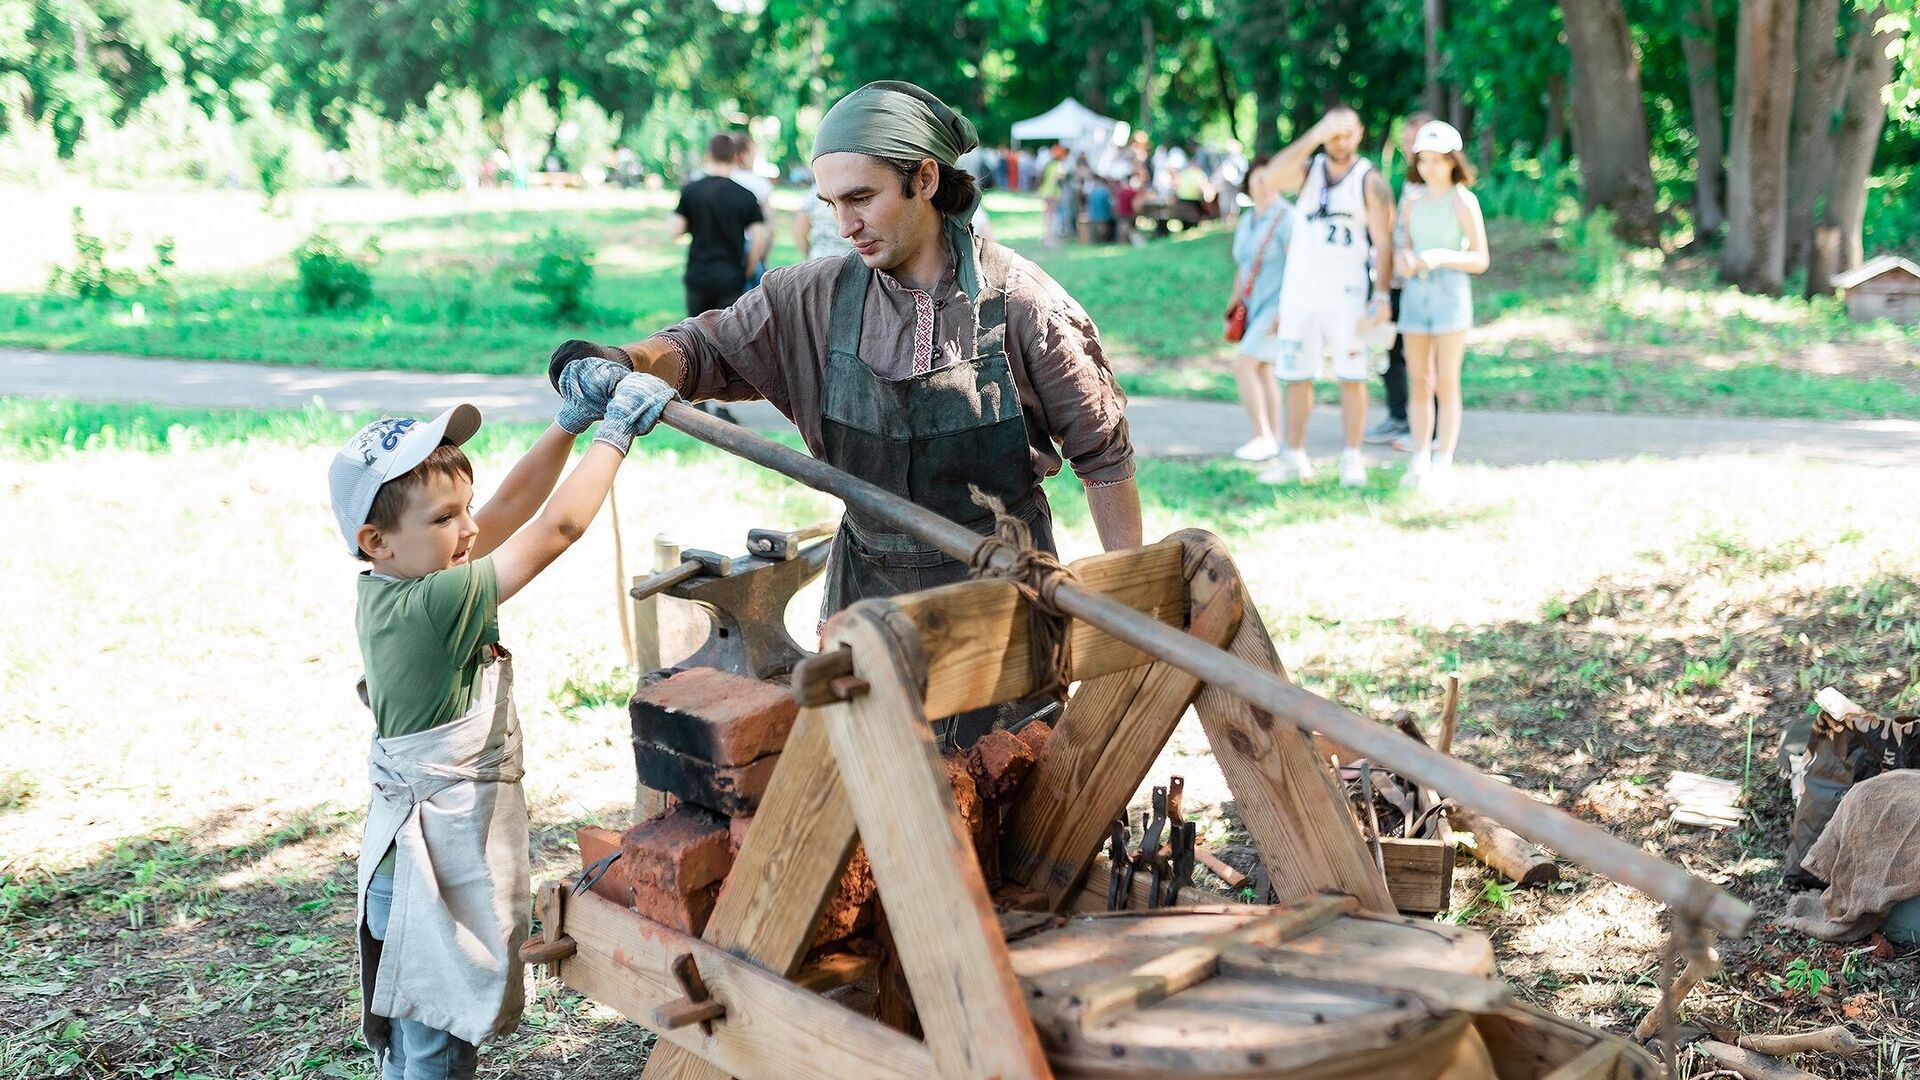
(1305, 991)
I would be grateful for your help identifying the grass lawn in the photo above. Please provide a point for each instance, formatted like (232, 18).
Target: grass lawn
(1567, 322)
(181, 798)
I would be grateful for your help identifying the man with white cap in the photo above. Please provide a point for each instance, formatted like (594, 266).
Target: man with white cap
(443, 874)
(928, 361)
(1335, 295)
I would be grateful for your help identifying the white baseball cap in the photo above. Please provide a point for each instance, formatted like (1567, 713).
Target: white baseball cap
(385, 449)
(1437, 136)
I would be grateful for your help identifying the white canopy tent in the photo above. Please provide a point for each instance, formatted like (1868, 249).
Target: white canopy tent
(1068, 122)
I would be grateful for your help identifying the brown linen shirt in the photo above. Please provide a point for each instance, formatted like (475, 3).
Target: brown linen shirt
(772, 344)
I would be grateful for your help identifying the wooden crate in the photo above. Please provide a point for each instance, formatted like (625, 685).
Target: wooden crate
(1419, 873)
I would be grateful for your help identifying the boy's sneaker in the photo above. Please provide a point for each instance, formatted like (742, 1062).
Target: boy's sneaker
(1386, 430)
(1258, 448)
(1353, 469)
(1289, 467)
(1440, 479)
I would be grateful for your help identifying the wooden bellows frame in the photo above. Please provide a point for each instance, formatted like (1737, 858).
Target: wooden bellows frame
(867, 768)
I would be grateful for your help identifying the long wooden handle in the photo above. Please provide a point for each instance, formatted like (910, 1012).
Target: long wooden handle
(1685, 893)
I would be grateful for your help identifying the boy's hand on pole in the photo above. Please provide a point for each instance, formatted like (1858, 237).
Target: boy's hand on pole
(634, 409)
(585, 386)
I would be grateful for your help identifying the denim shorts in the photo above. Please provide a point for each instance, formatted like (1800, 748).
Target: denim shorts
(1439, 303)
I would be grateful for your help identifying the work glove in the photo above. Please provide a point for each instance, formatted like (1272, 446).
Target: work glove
(634, 408)
(585, 385)
(569, 351)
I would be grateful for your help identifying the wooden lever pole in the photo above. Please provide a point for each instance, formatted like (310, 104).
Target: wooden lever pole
(1583, 843)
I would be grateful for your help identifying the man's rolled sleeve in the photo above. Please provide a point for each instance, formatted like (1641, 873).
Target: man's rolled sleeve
(726, 354)
(1085, 408)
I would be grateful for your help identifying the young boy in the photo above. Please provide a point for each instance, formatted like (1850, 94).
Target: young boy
(443, 875)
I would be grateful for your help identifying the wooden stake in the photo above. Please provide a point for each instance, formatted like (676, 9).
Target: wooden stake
(1504, 850)
(783, 878)
(1291, 805)
(969, 1003)
(1449, 714)
(1751, 1065)
(1833, 1039)
(1696, 971)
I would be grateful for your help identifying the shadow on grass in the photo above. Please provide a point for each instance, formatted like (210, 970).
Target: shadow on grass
(176, 954)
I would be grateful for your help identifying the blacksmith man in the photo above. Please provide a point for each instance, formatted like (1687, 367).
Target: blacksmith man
(924, 361)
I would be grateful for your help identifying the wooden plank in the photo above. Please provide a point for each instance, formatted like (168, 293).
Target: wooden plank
(1596, 1064)
(1286, 794)
(1440, 991)
(783, 877)
(1113, 729)
(975, 633)
(1190, 965)
(772, 1029)
(1419, 873)
(969, 1003)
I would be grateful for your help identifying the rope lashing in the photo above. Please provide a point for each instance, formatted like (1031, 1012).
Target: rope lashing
(1036, 574)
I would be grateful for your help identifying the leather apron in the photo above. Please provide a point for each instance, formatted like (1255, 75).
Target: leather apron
(926, 438)
(449, 801)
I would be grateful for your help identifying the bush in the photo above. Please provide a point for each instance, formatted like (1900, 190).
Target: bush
(558, 268)
(437, 147)
(1599, 258)
(330, 279)
(90, 278)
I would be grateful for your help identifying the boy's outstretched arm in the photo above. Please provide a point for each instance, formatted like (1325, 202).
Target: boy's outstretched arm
(525, 488)
(633, 410)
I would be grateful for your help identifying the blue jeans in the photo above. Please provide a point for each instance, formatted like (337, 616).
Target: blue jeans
(415, 1051)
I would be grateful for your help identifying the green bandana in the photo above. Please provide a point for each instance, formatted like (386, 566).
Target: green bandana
(900, 120)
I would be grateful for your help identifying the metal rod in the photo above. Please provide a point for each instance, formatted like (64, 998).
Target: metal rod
(1585, 844)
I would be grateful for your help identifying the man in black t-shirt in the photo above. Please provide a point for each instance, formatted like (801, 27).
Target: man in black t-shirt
(727, 229)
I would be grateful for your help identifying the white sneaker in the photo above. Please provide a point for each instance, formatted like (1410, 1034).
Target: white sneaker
(1353, 469)
(1290, 466)
(1440, 480)
(1418, 469)
(1258, 448)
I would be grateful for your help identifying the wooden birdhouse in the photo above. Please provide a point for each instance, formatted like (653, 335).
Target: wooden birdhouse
(1884, 288)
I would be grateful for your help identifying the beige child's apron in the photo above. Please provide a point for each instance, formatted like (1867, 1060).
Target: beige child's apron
(449, 800)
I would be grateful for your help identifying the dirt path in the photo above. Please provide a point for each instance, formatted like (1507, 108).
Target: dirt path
(1162, 427)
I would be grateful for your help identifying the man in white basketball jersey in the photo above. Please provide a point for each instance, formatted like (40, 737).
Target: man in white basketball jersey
(1334, 297)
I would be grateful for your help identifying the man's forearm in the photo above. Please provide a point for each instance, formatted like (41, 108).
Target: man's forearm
(1116, 514)
(658, 358)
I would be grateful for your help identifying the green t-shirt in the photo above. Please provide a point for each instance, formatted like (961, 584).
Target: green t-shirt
(420, 639)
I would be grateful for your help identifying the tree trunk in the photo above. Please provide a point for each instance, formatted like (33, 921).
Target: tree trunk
(1862, 117)
(1435, 12)
(1229, 97)
(1709, 124)
(1755, 255)
(1554, 140)
(1609, 120)
(1810, 144)
(1147, 51)
(1093, 78)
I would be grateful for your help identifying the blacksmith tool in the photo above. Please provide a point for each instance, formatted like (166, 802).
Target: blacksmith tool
(745, 600)
(1133, 866)
(1176, 790)
(781, 546)
(1183, 859)
(1117, 864)
(1154, 862)
(591, 874)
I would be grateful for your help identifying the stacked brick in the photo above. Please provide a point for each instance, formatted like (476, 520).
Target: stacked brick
(711, 740)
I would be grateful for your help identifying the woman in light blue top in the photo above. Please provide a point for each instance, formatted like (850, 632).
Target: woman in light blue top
(1440, 240)
(1260, 251)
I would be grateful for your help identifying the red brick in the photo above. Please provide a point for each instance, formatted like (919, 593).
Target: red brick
(851, 908)
(982, 826)
(1036, 735)
(729, 790)
(716, 716)
(681, 852)
(687, 914)
(597, 843)
(737, 833)
(998, 763)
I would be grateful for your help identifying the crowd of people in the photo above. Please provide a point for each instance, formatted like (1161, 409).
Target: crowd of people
(1102, 194)
(1339, 278)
